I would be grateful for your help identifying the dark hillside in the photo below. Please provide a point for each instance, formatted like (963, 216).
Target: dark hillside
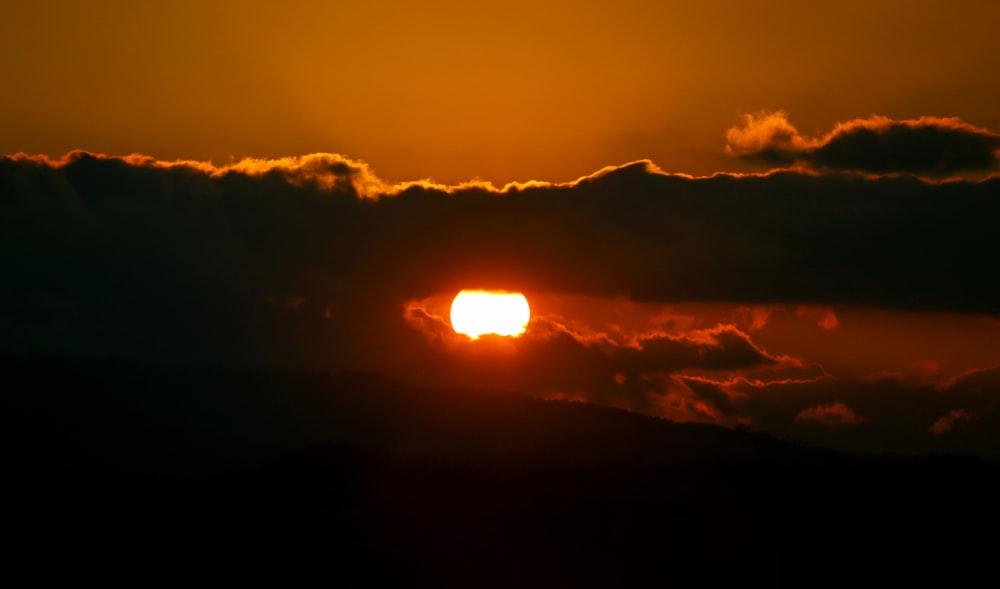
(142, 474)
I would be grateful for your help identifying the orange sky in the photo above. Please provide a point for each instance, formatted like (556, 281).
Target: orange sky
(453, 90)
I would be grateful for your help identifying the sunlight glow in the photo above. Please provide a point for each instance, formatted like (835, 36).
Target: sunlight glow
(478, 312)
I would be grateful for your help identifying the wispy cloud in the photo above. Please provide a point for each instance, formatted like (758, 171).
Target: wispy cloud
(836, 413)
(947, 422)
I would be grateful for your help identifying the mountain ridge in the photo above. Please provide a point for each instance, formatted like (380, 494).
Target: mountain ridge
(408, 485)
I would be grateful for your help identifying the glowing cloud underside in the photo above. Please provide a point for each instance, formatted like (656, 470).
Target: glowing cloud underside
(477, 312)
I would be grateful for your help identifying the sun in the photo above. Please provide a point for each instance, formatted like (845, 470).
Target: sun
(479, 312)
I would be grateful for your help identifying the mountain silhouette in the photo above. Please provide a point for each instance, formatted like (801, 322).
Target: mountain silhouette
(144, 473)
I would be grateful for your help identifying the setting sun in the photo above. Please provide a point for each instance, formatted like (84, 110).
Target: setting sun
(479, 312)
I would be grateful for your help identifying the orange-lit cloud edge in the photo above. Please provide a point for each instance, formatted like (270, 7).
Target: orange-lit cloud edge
(325, 170)
(766, 136)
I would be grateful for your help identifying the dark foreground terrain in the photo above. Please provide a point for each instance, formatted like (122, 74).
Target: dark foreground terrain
(135, 475)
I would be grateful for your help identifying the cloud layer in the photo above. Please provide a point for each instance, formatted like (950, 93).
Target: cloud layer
(315, 263)
(285, 229)
(929, 146)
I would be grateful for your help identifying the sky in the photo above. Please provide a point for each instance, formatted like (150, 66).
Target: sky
(774, 216)
(511, 91)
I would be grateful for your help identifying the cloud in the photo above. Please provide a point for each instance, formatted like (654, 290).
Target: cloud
(691, 374)
(835, 413)
(930, 146)
(897, 412)
(823, 316)
(692, 401)
(767, 137)
(313, 263)
(944, 425)
(977, 380)
(757, 317)
(754, 317)
(184, 261)
(327, 171)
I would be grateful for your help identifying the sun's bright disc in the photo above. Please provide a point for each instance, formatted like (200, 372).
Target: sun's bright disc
(478, 312)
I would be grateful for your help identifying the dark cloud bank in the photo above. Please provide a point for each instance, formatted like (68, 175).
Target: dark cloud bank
(931, 146)
(309, 263)
(135, 245)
